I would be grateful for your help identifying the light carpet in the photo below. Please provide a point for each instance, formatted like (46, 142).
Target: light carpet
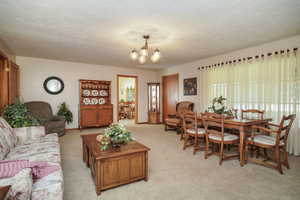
(175, 174)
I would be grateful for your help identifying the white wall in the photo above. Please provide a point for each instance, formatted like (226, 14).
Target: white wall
(34, 71)
(190, 69)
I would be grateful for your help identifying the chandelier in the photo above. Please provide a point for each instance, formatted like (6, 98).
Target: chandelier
(145, 53)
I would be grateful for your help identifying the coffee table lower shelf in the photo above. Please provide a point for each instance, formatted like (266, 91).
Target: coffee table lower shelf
(113, 168)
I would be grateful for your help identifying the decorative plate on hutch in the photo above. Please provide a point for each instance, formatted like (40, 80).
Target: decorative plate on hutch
(103, 93)
(94, 101)
(86, 93)
(86, 101)
(94, 93)
(101, 101)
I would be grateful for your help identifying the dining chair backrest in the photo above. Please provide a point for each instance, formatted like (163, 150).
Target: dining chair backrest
(213, 124)
(259, 113)
(189, 120)
(284, 128)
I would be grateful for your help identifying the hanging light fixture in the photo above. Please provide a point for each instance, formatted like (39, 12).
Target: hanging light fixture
(143, 55)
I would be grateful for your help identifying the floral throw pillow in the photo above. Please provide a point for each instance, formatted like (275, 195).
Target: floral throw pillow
(21, 185)
(9, 132)
(4, 147)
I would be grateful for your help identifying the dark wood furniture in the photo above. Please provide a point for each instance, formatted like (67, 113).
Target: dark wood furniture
(153, 103)
(113, 168)
(9, 82)
(174, 122)
(95, 108)
(215, 133)
(259, 114)
(3, 191)
(264, 140)
(192, 132)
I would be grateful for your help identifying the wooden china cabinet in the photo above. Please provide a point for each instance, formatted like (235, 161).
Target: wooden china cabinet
(95, 108)
(153, 103)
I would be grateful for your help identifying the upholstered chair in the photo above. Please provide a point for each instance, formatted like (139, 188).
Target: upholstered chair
(215, 134)
(192, 131)
(274, 137)
(174, 122)
(43, 113)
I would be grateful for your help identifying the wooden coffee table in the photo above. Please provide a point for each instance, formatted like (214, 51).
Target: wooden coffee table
(113, 168)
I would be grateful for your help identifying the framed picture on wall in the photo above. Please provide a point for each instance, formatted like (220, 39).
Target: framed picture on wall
(190, 86)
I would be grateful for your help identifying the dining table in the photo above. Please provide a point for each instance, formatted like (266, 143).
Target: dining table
(244, 126)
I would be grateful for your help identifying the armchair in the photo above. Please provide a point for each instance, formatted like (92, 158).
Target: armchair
(274, 137)
(174, 122)
(43, 112)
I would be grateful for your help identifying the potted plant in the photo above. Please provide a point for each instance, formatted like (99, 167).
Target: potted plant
(24, 124)
(115, 136)
(64, 111)
(18, 116)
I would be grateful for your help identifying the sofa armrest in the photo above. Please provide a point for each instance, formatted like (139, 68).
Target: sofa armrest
(57, 118)
(29, 133)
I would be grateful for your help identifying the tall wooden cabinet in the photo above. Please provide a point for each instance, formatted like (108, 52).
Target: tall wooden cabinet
(9, 82)
(95, 108)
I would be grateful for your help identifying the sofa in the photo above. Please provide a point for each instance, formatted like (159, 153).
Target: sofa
(31, 143)
(42, 111)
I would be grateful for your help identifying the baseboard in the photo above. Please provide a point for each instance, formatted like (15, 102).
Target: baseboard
(71, 129)
(142, 123)
(148, 123)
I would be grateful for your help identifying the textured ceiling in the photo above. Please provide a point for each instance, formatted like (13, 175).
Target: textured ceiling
(104, 32)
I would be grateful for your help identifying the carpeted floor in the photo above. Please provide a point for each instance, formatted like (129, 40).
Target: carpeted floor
(175, 174)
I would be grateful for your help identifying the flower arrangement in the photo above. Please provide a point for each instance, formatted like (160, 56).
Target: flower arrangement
(115, 135)
(218, 106)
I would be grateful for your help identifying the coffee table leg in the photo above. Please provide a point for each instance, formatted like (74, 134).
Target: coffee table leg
(146, 166)
(242, 138)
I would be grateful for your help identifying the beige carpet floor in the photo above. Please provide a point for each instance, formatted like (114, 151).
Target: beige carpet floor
(175, 174)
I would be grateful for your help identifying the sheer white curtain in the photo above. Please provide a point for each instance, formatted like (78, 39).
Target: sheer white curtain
(270, 83)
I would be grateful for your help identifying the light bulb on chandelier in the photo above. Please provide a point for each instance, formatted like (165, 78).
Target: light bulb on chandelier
(145, 53)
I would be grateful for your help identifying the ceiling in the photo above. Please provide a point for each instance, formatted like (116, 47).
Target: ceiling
(103, 32)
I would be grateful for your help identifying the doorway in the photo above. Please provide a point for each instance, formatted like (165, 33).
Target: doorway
(170, 95)
(127, 99)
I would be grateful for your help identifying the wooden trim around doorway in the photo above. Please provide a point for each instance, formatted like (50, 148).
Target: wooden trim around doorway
(136, 95)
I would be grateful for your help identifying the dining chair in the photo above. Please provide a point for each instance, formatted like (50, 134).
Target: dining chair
(215, 134)
(259, 113)
(174, 121)
(267, 140)
(192, 132)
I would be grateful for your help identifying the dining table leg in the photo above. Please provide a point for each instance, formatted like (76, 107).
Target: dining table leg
(242, 139)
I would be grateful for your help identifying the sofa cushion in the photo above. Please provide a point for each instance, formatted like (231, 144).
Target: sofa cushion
(53, 137)
(29, 133)
(174, 121)
(8, 132)
(49, 187)
(42, 150)
(21, 185)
